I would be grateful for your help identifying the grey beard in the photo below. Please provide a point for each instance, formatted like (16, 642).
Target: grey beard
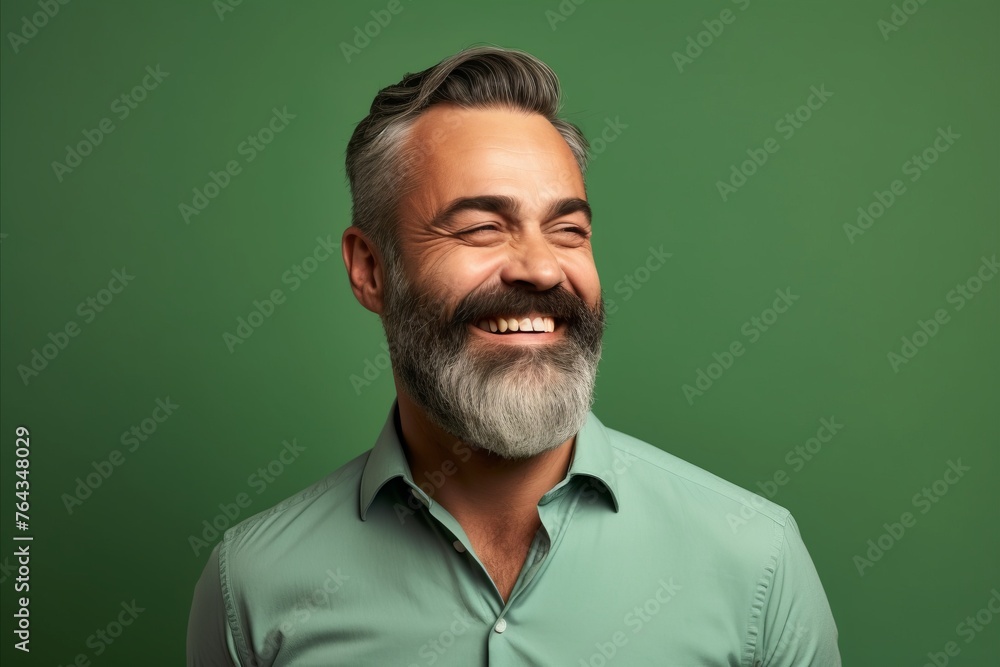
(516, 401)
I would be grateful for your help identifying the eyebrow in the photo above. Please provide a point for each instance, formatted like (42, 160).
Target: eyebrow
(508, 207)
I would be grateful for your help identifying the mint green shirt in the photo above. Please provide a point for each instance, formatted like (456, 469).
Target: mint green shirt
(642, 559)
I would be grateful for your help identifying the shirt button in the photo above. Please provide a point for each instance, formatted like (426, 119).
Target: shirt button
(501, 625)
(459, 547)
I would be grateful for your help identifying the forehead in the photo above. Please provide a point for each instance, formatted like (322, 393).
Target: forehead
(462, 152)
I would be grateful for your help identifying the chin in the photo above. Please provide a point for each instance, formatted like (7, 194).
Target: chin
(522, 415)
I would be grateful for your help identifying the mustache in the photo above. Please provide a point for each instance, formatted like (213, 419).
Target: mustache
(557, 302)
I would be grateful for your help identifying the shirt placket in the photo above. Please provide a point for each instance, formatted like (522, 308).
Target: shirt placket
(554, 511)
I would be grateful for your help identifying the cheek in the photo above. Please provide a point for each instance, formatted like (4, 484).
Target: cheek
(457, 271)
(582, 275)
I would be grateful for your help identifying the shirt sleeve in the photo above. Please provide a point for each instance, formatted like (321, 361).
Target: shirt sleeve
(209, 638)
(797, 626)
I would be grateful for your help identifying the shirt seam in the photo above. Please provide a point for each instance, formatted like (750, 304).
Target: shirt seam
(775, 520)
(321, 486)
(232, 618)
(762, 595)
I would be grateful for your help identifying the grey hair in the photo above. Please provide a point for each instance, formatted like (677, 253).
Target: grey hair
(378, 159)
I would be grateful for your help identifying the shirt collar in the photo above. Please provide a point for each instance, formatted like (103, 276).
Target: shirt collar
(592, 457)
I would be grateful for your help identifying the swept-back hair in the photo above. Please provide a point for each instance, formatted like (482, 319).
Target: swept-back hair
(486, 77)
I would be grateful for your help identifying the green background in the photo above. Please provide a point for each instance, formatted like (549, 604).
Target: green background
(654, 185)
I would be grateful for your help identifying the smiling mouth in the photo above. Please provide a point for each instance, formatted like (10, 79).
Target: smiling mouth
(531, 323)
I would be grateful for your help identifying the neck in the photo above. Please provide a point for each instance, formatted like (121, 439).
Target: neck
(473, 483)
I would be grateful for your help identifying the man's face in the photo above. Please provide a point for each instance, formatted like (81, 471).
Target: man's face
(495, 317)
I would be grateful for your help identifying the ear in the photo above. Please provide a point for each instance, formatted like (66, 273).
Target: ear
(364, 268)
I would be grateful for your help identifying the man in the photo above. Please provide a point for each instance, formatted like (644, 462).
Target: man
(496, 520)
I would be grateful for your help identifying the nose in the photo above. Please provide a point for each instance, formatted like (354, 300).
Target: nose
(531, 263)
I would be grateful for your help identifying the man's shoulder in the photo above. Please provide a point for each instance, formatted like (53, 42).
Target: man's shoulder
(331, 500)
(686, 487)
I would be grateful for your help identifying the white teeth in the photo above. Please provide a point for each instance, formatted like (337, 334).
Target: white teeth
(503, 324)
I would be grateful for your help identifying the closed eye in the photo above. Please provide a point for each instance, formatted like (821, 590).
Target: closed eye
(478, 231)
(576, 234)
